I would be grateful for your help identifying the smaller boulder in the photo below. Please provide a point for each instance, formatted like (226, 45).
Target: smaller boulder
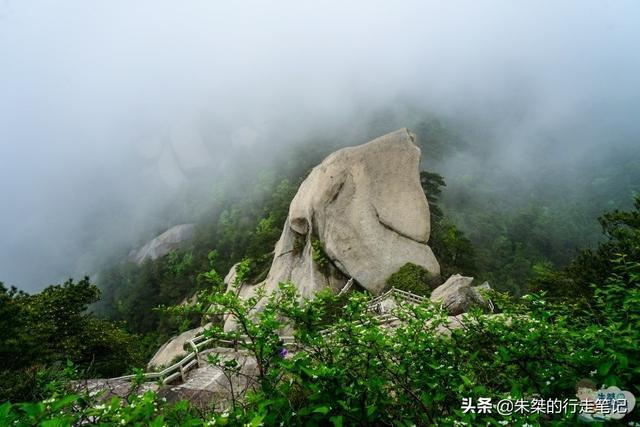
(457, 295)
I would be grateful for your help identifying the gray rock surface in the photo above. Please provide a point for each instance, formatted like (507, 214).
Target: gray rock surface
(173, 348)
(457, 295)
(367, 209)
(208, 386)
(172, 239)
(230, 278)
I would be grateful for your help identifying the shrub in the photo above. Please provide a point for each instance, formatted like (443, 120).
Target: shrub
(364, 373)
(413, 278)
(318, 255)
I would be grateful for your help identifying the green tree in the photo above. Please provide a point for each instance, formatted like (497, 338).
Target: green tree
(450, 244)
(621, 230)
(413, 278)
(43, 330)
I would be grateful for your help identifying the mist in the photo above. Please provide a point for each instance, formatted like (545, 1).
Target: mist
(109, 109)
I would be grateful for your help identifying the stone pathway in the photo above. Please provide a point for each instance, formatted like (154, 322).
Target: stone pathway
(202, 378)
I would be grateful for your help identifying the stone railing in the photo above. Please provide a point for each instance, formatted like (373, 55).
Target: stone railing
(201, 342)
(398, 293)
(191, 360)
(169, 374)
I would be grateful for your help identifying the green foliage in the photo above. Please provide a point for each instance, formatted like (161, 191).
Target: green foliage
(365, 373)
(622, 236)
(487, 224)
(46, 329)
(245, 228)
(454, 250)
(179, 265)
(533, 347)
(318, 255)
(73, 409)
(432, 184)
(516, 219)
(412, 278)
(414, 374)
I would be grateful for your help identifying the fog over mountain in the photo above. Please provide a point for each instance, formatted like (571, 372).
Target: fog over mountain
(109, 109)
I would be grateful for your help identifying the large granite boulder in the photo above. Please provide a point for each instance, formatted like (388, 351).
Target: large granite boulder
(172, 239)
(361, 213)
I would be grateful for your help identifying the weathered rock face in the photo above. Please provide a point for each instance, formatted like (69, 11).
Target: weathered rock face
(209, 388)
(365, 207)
(457, 295)
(170, 240)
(230, 278)
(173, 348)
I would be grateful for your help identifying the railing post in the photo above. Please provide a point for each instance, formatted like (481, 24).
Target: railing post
(194, 347)
(182, 374)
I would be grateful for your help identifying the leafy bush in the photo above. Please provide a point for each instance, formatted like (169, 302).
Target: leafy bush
(622, 236)
(451, 246)
(318, 255)
(365, 373)
(46, 329)
(412, 278)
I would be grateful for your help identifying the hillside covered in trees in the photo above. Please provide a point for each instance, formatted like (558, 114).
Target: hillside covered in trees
(509, 236)
(61, 340)
(410, 213)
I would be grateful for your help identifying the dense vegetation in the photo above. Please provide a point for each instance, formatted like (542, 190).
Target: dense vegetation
(483, 224)
(415, 374)
(41, 332)
(622, 229)
(580, 319)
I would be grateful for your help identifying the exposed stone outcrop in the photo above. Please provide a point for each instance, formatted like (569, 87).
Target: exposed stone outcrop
(172, 239)
(457, 295)
(230, 278)
(209, 388)
(173, 348)
(363, 213)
